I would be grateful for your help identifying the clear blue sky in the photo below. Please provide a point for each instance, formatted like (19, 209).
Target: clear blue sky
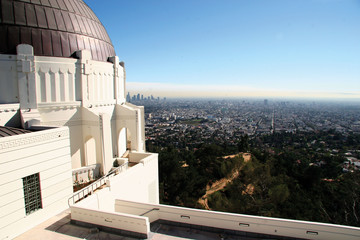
(265, 46)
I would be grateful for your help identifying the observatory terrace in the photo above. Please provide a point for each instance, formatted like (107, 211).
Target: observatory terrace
(104, 215)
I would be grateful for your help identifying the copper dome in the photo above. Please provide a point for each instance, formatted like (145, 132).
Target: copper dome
(53, 27)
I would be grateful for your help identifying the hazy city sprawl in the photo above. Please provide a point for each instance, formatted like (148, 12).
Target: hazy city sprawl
(181, 120)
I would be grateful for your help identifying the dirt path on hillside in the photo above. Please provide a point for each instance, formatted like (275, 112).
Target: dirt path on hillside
(220, 184)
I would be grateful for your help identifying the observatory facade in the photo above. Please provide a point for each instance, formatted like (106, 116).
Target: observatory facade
(63, 114)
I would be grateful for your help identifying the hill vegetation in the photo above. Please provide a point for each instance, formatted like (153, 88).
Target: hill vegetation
(300, 176)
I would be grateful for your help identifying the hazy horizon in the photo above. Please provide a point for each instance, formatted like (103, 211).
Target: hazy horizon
(221, 91)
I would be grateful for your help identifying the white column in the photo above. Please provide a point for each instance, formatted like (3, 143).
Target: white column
(106, 142)
(65, 86)
(26, 76)
(86, 69)
(119, 80)
(71, 79)
(27, 86)
(140, 130)
(57, 86)
(47, 87)
(122, 83)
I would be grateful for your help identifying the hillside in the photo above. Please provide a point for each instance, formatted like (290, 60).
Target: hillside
(303, 176)
(222, 183)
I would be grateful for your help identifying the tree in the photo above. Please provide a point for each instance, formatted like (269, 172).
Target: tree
(279, 193)
(243, 145)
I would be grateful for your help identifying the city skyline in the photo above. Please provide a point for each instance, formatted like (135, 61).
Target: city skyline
(228, 91)
(291, 49)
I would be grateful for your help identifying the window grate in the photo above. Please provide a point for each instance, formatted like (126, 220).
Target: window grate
(32, 193)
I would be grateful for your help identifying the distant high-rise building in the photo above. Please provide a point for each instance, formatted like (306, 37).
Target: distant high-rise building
(266, 102)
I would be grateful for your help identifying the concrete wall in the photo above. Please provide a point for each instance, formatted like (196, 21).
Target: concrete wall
(136, 226)
(240, 222)
(45, 152)
(137, 183)
(98, 209)
(140, 182)
(72, 118)
(101, 82)
(56, 80)
(8, 89)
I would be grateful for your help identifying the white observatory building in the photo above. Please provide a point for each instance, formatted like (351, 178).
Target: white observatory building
(69, 141)
(64, 119)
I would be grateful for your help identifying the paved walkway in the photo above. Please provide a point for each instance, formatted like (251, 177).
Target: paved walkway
(60, 228)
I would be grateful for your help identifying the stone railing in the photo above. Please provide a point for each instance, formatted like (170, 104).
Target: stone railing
(238, 224)
(86, 174)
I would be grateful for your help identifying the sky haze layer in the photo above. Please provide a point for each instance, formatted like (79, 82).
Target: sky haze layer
(259, 47)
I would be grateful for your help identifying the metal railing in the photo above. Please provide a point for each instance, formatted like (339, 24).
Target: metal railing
(82, 193)
(154, 209)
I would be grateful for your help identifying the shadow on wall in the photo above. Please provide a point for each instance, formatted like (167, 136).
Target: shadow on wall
(14, 121)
